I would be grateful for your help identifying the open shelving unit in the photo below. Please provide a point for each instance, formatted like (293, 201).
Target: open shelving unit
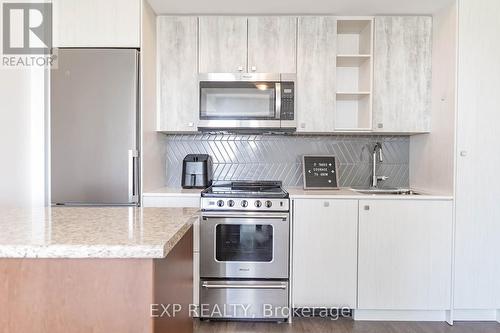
(354, 74)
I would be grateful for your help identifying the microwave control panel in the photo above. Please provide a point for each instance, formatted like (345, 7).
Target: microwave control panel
(287, 100)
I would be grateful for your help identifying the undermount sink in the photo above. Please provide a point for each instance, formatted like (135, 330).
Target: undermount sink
(386, 191)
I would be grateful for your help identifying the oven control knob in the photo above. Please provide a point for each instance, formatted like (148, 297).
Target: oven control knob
(244, 203)
(230, 203)
(258, 203)
(269, 204)
(220, 203)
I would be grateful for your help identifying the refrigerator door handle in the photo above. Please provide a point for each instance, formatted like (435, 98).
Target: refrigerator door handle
(133, 175)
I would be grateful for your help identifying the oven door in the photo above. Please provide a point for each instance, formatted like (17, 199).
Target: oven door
(244, 245)
(240, 104)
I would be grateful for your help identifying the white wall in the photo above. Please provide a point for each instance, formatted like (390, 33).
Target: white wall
(153, 146)
(22, 137)
(432, 155)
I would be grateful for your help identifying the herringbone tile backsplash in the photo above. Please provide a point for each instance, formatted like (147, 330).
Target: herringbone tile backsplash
(279, 157)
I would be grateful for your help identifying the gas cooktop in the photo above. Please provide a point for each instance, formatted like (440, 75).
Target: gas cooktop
(246, 195)
(247, 189)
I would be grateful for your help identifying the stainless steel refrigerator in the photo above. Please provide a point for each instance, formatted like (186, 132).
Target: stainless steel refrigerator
(94, 127)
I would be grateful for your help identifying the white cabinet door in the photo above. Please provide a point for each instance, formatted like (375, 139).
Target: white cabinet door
(316, 74)
(271, 44)
(178, 73)
(96, 23)
(477, 245)
(324, 252)
(404, 255)
(402, 74)
(223, 44)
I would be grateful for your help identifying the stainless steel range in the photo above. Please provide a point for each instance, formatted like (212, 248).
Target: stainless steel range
(244, 251)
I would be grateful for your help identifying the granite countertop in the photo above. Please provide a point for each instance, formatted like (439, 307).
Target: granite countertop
(92, 232)
(348, 193)
(300, 193)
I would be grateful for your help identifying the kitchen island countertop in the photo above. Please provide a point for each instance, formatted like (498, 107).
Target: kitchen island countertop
(92, 232)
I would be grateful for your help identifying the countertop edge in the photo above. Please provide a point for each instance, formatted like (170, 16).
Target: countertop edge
(99, 251)
(172, 242)
(81, 251)
(370, 197)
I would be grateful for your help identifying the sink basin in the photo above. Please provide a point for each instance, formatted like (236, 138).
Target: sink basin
(386, 191)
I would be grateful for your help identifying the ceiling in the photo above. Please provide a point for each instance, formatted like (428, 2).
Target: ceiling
(337, 7)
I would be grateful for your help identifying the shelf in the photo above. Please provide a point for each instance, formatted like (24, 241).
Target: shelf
(352, 26)
(353, 111)
(349, 96)
(354, 36)
(352, 60)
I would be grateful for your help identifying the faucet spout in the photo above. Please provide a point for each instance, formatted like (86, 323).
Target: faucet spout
(377, 157)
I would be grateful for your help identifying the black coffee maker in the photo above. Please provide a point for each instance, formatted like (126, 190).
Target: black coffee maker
(197, 171)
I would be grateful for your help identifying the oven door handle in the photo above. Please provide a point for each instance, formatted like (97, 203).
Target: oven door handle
(242, 286)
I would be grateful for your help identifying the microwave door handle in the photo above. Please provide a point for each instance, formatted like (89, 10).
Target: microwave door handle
(278, 100)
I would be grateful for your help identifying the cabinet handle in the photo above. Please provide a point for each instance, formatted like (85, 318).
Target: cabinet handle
(302, 125)
(463, 153)
(366, 207)
(326, 204)
(380, 125)
(190, 124)
(240, 69)
(254, 68)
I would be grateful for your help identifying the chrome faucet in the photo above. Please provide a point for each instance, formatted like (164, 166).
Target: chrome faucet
(377, 156)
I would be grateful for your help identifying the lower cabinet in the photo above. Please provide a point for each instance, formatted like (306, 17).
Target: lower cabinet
(324, 253)
(405, 254)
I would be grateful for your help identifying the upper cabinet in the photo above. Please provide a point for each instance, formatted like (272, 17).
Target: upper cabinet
(96, 23)
(354, 74)
(232, 44)
(402, 74)
(317, 38)
(223, 44)
(271, 44)
(178, 73)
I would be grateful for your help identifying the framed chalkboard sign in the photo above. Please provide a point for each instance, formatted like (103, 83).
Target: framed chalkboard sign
(320, 172)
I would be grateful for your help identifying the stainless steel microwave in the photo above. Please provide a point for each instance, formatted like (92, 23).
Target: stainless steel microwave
(247, 101)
